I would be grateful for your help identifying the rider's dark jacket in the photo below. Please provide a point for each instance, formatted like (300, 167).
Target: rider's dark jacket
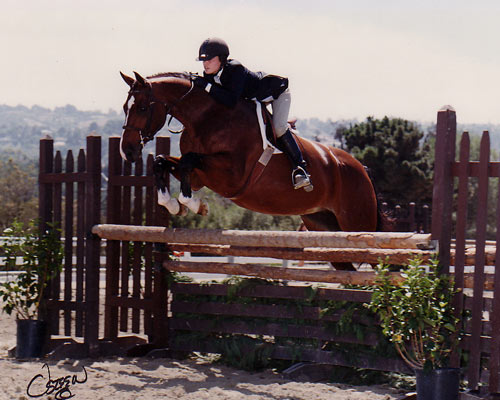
(237, 82)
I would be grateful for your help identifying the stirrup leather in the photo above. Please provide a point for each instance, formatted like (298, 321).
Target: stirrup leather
(301, 179)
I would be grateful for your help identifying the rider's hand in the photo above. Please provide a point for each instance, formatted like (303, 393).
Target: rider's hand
(200, 82)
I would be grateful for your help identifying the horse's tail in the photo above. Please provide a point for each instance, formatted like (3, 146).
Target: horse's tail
(385, 220)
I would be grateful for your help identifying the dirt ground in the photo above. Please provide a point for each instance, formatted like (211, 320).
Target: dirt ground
(141, 378)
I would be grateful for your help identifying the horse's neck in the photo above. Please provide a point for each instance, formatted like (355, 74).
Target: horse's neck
(206, 122)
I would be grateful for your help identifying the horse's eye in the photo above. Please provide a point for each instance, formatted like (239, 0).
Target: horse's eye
(142, 109)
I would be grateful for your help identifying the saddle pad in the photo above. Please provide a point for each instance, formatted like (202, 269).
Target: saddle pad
(265, 142)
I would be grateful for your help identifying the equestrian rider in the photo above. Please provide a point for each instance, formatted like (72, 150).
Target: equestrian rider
(227, 80)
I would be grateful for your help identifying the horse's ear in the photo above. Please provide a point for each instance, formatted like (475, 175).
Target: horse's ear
(128, 80)
(140, 79)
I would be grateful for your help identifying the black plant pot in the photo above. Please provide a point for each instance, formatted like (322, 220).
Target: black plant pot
(438, 384)
(31, 336)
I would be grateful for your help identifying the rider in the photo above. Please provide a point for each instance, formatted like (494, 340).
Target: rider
(226, 80)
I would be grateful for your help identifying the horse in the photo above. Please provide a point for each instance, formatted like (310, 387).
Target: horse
(222, 148)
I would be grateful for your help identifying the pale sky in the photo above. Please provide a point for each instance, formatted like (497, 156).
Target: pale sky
(345, 59)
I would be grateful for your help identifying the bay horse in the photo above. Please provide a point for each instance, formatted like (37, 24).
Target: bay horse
(220, 149)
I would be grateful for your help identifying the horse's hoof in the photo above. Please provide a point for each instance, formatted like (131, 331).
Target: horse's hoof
(203, 210)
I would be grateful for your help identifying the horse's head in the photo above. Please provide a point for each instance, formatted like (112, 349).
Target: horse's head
(144, 116)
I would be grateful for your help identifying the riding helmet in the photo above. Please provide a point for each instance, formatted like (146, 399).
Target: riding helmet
(211, 48)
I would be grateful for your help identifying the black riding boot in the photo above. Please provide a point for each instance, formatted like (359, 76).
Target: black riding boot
(300, 177)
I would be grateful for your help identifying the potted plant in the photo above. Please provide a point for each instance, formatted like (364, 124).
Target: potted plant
(38, 258)
(418, 317)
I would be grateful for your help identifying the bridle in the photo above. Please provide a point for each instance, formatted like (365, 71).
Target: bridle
(145, 133)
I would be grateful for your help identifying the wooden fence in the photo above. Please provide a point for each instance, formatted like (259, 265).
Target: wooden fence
(143, 305)
(449, 215)
(72, 200)
(412, 218)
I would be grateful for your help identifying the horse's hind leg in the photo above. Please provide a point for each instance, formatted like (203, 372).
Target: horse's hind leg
(321, 221)
(326, 221)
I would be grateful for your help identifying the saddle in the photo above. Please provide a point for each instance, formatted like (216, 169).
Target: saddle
(269, 146)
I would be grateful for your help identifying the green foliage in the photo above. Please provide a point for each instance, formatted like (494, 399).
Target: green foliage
(399, 156)
(346, 319)
(224, 214)
(42, 256)
(418, 315)
(18, 195)
(244, 352)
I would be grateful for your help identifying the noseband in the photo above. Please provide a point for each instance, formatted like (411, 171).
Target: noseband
(145, 133)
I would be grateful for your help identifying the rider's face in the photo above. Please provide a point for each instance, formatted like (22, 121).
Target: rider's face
(212, 66)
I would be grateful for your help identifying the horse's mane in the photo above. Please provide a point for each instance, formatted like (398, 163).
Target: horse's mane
(183, 75)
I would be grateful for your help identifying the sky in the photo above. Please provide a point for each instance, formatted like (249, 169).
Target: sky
(344, 59)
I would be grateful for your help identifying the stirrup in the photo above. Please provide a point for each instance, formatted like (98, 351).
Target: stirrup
(301, 179)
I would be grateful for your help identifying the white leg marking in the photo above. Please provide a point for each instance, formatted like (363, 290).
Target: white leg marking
(193, 203)
(171, 204)
(124, 157)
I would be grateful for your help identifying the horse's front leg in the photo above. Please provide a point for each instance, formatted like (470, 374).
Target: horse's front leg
(162, 166)
(187, 164)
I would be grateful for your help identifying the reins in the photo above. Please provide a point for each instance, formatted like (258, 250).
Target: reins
(175, 104)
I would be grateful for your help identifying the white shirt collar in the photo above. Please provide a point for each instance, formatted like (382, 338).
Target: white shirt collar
(217, 76)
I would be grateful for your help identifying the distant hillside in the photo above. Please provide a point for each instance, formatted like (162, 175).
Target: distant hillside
(21, 129)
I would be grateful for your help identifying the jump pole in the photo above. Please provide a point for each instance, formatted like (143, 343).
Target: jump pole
(361, 240)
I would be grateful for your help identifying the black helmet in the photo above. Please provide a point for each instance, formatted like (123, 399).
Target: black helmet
(213, 47)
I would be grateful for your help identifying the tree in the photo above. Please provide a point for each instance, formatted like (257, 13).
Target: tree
(18, 194)
(399, 157)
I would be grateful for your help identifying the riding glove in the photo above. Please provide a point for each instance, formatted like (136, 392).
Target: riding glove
(200, 82)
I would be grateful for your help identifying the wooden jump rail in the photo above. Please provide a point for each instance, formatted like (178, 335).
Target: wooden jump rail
(293, 239)
(365, 247)
(360, 247)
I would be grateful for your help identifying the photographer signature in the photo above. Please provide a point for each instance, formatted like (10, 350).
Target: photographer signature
(59, 387)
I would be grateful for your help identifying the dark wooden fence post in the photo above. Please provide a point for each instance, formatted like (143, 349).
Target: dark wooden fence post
(92, 248)
(113, 206)
(412, 224)
(494, 364)
(160, 290)
(68, 241)
(461, 232)
(425, 219)
(442, 196)
(45, 199)
(46, 204)
(474, 367)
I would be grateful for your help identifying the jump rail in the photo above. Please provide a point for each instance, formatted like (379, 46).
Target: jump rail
(362, 247)
(359, 247)
(362, 240)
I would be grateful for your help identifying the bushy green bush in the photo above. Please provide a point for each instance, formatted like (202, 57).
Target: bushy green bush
(417, 315)
(41, 254)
